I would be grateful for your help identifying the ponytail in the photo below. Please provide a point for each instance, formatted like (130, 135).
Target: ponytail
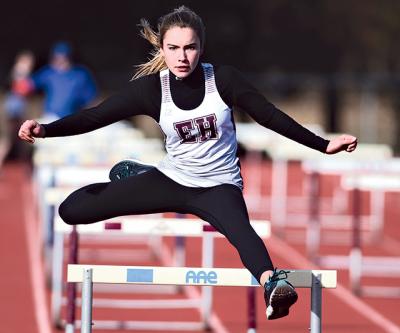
(181, 17)
(157, 62)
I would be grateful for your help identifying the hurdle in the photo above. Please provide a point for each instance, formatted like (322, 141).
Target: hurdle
(150, 227)
(281, 151)
(54, 184)
(357, 264)
(46, 178)
(312, 161)
(358, 167)
(185, 276)
(371, 224)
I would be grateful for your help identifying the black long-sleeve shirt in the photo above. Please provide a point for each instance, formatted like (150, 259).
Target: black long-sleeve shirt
(143, 97)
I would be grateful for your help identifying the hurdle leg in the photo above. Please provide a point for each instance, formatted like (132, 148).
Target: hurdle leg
(180, 247)
(355, 257)
(71, 287)
(49, 231)
(313, 227)
(180, 251)
(316, 304)
(206, 291)
(251, 308)
(43, 178)
(377, 200)
(57, 281)
(87, 301)
(254, 183)
(49, 243)
(279, 196)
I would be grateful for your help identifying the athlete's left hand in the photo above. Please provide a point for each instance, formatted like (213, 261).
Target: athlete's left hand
(343, 142)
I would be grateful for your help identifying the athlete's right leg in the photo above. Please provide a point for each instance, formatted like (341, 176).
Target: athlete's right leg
(147, 193)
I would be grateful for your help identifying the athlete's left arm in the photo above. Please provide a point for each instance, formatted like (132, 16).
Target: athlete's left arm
(240, 92)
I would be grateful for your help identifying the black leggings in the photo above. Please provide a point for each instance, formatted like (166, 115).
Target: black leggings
(222, 206)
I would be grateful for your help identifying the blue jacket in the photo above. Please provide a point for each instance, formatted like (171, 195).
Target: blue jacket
(65, 91)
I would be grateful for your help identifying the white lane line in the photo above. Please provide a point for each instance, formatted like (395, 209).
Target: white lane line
(35, 263)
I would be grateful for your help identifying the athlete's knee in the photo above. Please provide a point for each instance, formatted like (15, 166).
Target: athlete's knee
(67, 213)
(76, 208)
(72, 211)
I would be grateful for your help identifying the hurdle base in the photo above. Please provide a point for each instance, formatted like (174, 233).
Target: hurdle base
(146, 325)
(380, 291)
(70, 328)
(107, 303)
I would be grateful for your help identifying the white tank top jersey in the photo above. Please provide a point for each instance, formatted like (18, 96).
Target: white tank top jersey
(201, 143)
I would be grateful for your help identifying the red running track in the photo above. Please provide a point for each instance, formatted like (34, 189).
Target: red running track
(25, 308)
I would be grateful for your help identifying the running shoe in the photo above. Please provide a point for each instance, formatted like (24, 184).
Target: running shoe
(279, 295)
(127, 168)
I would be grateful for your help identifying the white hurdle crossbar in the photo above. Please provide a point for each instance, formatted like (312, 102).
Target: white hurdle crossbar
(217, 277)
(146, 226)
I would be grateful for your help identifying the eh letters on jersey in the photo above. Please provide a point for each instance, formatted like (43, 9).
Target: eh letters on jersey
(206, 127)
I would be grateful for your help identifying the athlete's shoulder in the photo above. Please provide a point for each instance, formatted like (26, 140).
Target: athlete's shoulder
(143, 86)
(144, 93)
(150, 81)
(227, 76)
(226, 72)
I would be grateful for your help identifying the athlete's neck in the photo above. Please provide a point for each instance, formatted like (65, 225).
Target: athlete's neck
(195, 79)
(188, 93)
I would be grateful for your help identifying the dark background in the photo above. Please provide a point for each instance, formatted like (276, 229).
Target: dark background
(278, 42)
(316, 36)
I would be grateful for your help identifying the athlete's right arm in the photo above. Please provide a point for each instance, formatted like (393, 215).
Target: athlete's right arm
(30, 130)
(131, 101)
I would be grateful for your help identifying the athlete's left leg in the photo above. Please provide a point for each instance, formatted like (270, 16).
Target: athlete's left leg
(223, 207)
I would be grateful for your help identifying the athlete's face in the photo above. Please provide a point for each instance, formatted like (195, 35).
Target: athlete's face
(181, 50)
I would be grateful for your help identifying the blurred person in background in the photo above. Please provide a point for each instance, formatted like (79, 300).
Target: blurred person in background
(15, 103)
(68, 87)
(192, 102)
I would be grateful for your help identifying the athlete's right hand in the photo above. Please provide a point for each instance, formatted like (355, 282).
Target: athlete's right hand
(31, 129)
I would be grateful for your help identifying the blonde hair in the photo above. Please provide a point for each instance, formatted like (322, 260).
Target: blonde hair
(182, 17)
